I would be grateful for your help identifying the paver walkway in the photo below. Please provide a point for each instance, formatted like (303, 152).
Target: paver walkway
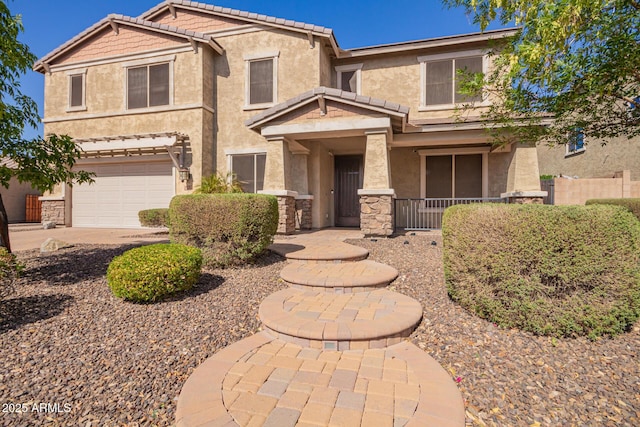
(333, 352)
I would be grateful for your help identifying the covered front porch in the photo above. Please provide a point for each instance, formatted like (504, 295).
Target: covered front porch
(337, 159)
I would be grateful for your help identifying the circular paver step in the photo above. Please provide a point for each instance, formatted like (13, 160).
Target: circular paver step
(330, 321)
(341, 277)
(265, 381)
(320, 252)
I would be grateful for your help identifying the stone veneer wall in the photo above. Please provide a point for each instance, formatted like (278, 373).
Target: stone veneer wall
(53, 210)
(526, 200)
(376, 215)
(303, 214)
(286, 214)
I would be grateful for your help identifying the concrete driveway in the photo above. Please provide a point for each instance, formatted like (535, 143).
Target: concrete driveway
(25, 237)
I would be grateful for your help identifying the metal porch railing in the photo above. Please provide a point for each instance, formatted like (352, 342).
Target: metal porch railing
(426, 214)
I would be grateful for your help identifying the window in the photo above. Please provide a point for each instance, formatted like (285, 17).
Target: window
(76, 90)
(261, 80)
(576, 143)
(249, 170)
(148, 86)
(348, 78)
(462, 173)
(441, 78)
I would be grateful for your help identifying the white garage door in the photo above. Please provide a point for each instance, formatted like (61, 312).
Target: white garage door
(119, 192)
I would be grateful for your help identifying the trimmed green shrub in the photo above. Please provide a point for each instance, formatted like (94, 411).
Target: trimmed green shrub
(632, 204)
(229, 228)
(154, 217)
(550, 270)
(150, 272)
(10, 270)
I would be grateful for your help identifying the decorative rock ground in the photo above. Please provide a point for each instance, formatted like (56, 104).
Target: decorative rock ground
(332, 354)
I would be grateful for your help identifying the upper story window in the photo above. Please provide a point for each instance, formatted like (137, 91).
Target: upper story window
(348, 78)
(148, 86)
(261, 80)
(576, 142)
(441, 77)
(77, 90)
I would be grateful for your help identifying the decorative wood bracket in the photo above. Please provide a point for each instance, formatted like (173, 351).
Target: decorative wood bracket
(114, 26)
(323, 105)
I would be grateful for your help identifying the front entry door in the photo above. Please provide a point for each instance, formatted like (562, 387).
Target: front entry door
(348, 179)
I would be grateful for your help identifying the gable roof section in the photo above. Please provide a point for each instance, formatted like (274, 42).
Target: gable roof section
(249, 17)
(113, 21)
(340, 96)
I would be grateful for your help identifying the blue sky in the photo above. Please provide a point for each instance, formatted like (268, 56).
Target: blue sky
(356, 23)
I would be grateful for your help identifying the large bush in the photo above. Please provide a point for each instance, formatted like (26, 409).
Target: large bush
(229, 228)
(633, 205)
(150, 272)
(154, 217)
(551, 270)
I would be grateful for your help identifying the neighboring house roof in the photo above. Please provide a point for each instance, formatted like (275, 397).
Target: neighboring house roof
(257, 18)
(113, 20)
(366, 102)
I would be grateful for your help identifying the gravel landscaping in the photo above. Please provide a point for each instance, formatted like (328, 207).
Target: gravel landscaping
(508, 377)
(65, 340)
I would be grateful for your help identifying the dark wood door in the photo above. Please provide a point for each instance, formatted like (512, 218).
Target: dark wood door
(348, 179)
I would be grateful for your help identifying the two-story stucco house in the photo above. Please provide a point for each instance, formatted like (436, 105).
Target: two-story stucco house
(189, 89)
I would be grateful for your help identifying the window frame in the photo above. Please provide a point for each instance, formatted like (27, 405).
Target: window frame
(149, 62)
(454, 152)
(70, 75)
(573, 138)
(248, 59)
(249, 152)
(423, 60)
(347, 68)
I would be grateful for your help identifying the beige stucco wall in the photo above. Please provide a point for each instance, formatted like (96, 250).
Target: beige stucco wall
(14, 199)
(596, 161)
(106, 113)
(396, 78)
(405, 172)
(294, 52)
(320, 165)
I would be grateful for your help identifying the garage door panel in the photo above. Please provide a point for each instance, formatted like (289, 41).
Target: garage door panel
(120, 191)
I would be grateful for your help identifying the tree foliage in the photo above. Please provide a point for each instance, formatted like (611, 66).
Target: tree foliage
(573, 60)
(44, 162)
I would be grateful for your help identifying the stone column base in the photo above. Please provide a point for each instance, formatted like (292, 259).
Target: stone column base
(303, 212)
(525, 197)
(376, 212)
(53, 210)
(286, 209)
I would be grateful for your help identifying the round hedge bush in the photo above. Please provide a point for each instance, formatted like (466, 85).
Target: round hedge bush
(150, 272)
(563, 271)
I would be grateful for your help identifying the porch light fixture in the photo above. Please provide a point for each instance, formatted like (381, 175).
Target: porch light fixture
(184, 174)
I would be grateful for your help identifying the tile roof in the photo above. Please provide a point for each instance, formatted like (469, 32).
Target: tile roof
(330, 93)
(127, 20)
(240, 14)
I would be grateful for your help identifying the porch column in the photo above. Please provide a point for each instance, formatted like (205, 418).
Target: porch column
(277, 182)
(300, 177)
(523, 179)
(376, 196)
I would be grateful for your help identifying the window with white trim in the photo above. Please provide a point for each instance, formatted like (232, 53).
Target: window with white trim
(261, 80)
(77, 94)
(442, 74)
(348, 78)
(249, 170)
(576, 143)
(148, 86)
